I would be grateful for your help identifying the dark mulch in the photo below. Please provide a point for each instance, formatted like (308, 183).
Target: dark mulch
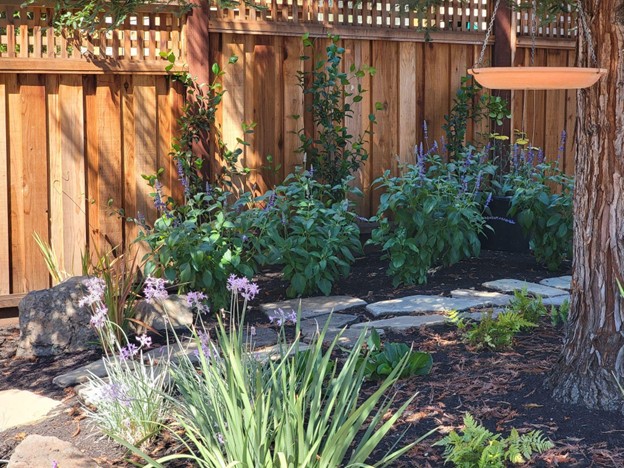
(502, 390)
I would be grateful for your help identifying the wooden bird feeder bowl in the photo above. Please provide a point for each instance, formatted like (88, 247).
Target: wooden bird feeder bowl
(541, 78)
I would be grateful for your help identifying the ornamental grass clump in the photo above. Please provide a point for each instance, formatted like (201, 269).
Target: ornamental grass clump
(299, 407)
(130, 403)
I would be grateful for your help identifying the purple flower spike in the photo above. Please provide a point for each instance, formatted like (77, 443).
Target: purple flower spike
(280, 317)
(154, 289)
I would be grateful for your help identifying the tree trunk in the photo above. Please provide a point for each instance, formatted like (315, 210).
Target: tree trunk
(593, 351)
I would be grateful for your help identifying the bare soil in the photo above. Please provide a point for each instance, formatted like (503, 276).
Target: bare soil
(501, 389)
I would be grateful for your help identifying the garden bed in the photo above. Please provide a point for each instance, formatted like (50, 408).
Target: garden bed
(502, 390)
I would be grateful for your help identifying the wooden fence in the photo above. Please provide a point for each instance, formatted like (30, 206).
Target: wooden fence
(83, 117)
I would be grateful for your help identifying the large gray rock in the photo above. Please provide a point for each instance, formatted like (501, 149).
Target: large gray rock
(51, 322)
(39, 451)
(560, 282)
(81, 374)
(173, 311)
(491, 298)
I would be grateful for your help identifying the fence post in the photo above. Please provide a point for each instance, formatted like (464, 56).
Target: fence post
(504, 52)
(198, 60)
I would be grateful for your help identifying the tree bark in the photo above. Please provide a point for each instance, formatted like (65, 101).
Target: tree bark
(593, 351)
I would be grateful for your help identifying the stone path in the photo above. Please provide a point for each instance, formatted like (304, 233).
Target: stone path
(21, 407)
(37, 451)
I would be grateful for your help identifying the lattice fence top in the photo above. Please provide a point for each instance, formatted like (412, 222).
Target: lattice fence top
(28, 33)
(562, 27)
(450, 15)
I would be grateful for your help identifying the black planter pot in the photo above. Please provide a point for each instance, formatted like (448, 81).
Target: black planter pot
(506, 237)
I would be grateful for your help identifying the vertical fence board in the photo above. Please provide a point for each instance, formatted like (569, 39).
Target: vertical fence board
(55, 157)
(35, 180)
(73, 175)
(129, 174)
(293, 102)
(407, 102)
(5, 248)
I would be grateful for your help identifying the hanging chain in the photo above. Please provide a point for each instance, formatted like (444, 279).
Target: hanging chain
(533, 32)
(588, 38)
(487, 35)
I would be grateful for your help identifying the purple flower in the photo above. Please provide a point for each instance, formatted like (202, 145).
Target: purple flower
(478, 182)
(144, 340)
(128, 352)
(208, 189)
(114, 393)
(141, 219)
(242, 286)
(562, 145)
(195, 299)
(98, 319)
(154, 289)
(54, 464)
(205, 346)
(271, 203)
(498, 218)
(182, 176)
(95, 291)
(311, 171)
(220, 438)
(488, 200)
(158, 198)
(280, 317)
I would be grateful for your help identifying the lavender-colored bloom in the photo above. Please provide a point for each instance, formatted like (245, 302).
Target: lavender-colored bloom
(154, 289)
(208, 189)
(242, 286)
(158, 198)
(244, 238)
(182, 176)
(311, 171)
(220, 438)
(498, 218)
(205, 346)
(271, 203)
(540, 156)
(478, 182)
(562, 145)
(95, 291)
(128, 352)
(488, 200)
(284, 220)
(280, 317)
(98, 319)
(195, 299)
(141, 219)
(114, 393)
(253, 331)
(144, 340)
(55, 464)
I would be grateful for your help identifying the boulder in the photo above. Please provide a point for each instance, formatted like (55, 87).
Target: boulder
(40, 451)
(173, 310)
(51, 322)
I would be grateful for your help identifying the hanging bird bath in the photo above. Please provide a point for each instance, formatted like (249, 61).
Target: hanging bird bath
(537, 77)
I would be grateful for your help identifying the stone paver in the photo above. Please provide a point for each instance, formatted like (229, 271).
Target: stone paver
(20, 407)
(37, 451)
(348, 337)
(560, 282)
(170, 312)
(556, 301)
(276, 351)
(477, 316)
(81, 374)
(402, 323)
(534, 289)
(336, 322)
(492, 298)
(315, 306)
(423, 304)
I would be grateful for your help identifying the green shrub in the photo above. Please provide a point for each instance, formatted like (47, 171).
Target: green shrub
(382, 359)
(199, 243)
(427, 217)
(476, 447)
(541, 202)
(302, 229)
(531, 308)
(332, 151)
(492, 333)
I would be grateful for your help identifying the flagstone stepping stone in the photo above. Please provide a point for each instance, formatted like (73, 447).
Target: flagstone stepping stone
(277, 351)
(478, 316)
(336, 322)
(402, 323)
(315, 306)
(534, 289)
(348, 337)
(560, 282)
(556, 301)
(20, 407)
(421, 304)
(81, 374)
(37, 451)
(492, 298)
